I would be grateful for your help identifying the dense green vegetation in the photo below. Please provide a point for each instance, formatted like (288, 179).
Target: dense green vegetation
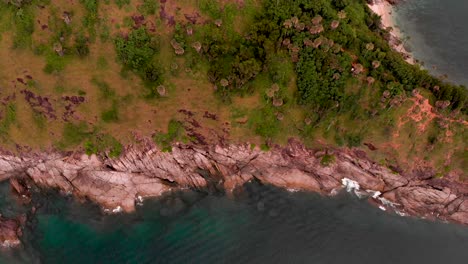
(333, 43)
(343, 66)
(137, 52)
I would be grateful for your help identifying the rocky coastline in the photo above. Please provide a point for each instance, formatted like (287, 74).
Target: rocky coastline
(142, 171)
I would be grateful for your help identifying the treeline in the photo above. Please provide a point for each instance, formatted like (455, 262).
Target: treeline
(332, 43)
(234, 60)
(344, 29)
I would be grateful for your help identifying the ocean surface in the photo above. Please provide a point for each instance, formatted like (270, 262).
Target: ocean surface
(438, 35)
(262, 224)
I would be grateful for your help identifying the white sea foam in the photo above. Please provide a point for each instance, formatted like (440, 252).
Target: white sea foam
(118, 209)
(350, 184)
(400, 213)
(361, 194)
(354, 187)
(139, 200)
(387, 202)
(374, 194)
(9, 244)
(335, 191)
(392, 205)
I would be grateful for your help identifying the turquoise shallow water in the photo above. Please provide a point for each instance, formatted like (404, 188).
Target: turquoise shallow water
(260, 225)
(438, 31)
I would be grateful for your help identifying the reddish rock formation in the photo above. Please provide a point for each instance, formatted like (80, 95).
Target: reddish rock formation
(141, 172)
(10, 231)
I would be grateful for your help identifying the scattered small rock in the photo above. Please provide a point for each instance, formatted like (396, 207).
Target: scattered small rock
(278, 102)
(161, 89)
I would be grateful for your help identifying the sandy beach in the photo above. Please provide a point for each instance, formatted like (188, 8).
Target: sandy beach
(385, 10)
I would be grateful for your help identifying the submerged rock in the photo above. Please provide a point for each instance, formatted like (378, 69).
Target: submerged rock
(10, 232)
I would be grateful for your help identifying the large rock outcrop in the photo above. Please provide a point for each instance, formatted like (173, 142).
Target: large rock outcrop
(11, 231)
(144, 171)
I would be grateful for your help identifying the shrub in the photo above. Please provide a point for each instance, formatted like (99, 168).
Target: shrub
(91, 6)
(175, 131)
(7, 119)
(101, 143)
(327, 159)
(121, 3)
(93, 142)
(40, 49)
(40, 120)
(265, 122)
(104, 33)
(128, 22)
(353, 140)
(102, 63)
(54, 63)
(81, 46)
(59, 89)
(111, 115)
(137, 50)
(153, 74)
(137, 54)
(148, 7)
(24, 27)
(73, 135)
(105, 90)
(91, 17)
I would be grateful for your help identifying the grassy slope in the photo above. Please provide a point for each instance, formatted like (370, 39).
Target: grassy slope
(106, 89)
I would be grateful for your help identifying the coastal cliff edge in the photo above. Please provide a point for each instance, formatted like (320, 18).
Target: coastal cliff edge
(118, 184)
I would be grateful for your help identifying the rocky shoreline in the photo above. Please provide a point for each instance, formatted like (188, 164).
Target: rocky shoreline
(385, 9)
(144, 171)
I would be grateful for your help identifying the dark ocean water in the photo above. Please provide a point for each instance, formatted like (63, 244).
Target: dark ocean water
(438, 31)
(260, 225)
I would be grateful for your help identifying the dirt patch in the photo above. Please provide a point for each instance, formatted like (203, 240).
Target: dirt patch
(423, 113)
